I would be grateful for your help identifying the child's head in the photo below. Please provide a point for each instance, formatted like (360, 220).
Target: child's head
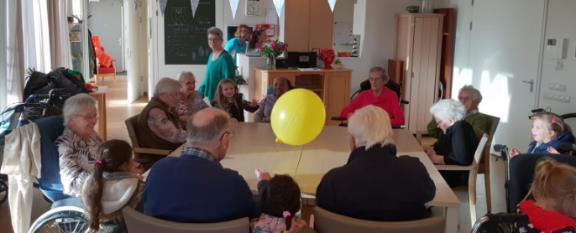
(115, 156)
(227, 89)
(555, 184)
(546, 126)
(282, 194)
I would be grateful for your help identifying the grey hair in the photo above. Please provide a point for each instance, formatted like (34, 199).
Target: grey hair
(166, 86)
(75, 105)
(209, 133)
(375, 69)
(369, 126)
(476, 95)
(183, 74)
(215, 31)
(448, 109)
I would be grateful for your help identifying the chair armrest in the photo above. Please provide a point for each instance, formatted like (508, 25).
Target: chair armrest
(152, 151)
(453, 167)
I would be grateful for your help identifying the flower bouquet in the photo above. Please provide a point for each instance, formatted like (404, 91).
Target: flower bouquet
(272, 50)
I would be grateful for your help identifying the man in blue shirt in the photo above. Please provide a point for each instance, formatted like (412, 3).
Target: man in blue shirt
(195, 187)
(238, 43)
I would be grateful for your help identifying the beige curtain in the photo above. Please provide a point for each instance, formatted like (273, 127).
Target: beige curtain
(59, 39)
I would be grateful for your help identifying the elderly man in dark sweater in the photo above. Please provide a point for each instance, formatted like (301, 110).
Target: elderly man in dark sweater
(194, 187)
(375, 184)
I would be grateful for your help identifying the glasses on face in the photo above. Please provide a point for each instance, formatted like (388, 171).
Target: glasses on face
(88, 116)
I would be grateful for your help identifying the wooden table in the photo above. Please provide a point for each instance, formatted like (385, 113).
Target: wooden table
(253, 146)
(100, 96)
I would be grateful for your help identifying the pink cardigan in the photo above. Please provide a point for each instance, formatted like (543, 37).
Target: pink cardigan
(387, 100)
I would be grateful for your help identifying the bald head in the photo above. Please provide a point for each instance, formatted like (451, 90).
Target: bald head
(207, 127)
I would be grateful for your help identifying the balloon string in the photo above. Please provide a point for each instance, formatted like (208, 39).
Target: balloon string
(299, 159)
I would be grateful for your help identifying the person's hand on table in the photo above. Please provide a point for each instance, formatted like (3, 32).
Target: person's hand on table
(552, 150)
(435, 158)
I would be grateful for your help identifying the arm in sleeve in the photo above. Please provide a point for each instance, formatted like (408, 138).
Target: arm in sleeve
(229, 68)
(433, 129)
(72, 173)
(427, 187)
(247, 107)
(396, 114)
(259, 116)
(462, 152)
(159, 124)
(246, 197)
(229, 47)
(355, 104)
(325, 193)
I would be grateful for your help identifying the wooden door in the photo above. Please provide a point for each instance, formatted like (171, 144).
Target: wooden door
(426, 52)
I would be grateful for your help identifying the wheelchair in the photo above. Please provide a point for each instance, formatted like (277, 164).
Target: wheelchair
(66, 213)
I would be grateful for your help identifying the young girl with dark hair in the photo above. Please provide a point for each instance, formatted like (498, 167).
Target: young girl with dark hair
(553, 209)
(113, 185)
(228, 99)
(279, 203)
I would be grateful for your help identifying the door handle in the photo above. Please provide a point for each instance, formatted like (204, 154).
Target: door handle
(531, 82)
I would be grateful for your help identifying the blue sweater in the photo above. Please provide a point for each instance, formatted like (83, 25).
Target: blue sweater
(196, 190)
(534, 148)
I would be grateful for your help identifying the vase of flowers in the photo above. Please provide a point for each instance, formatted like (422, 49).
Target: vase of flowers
(272, 50)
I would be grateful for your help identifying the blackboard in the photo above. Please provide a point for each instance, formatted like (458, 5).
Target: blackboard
(185, 37)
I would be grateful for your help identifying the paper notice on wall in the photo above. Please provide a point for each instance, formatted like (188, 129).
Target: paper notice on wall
(162, 4)
(332, 3)
(279, 5)
(194, 4)
(234, 7)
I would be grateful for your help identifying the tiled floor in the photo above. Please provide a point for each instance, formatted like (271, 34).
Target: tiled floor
(119, 109)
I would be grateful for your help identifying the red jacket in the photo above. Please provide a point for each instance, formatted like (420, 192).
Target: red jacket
(387, 100)
(545, 220)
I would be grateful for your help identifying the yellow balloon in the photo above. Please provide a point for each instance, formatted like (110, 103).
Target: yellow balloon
(298, 117)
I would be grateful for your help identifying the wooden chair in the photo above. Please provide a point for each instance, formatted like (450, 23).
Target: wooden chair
(473, 172)
(138, 222)
(132, 126)
(328, 222)
(485, 161)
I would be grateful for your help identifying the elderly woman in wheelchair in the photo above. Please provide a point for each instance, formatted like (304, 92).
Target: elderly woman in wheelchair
(78, 144)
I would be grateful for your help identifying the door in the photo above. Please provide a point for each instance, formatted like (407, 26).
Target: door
(557, 90)
(504, 57)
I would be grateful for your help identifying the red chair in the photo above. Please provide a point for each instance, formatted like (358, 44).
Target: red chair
(105, 61)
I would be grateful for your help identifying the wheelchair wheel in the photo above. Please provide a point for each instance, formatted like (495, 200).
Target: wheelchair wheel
(3, 192)
(65, 219)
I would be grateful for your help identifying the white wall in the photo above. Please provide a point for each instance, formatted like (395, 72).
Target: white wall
(379, 39)
(106, 22)
(223, 20)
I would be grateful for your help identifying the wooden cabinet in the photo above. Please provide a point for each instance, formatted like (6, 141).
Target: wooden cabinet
(419, 45)
(333, 86)
(307, 25)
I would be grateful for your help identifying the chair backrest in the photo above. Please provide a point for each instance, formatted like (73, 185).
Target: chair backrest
(494, 121)
(131, 126)
(138, 222)
(50, 128)
(328, 222)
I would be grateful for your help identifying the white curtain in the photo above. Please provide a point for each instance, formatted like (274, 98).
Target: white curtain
(14, 52)
(58, 26)
(27, 43)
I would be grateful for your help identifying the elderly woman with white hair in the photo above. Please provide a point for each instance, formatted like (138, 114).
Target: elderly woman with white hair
(192, 101)
(159, 126)
(361, 188)
(78, 145)
(458, 142)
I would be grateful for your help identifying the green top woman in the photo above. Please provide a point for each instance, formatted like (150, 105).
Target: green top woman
(220, 64)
